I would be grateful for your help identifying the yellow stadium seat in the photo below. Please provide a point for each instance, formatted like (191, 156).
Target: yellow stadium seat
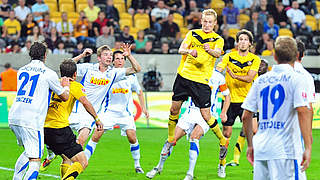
(50, 1)
(285, 32)
(73, 20)
(218, 6)
(134, 32)
(312, 22)
(66, 1)
(118, 1)
(52, 6)
(82, 1)
(66, 7)
(183, 32)
(55, 14)
(177, 16)
(120, 6)
(233, 32)
(140, 16)
(74, 15)
(243, 18)
(125, 22)
(178, 19)
(81, 6)
(141, 24)
(56, 20)
(125, 15)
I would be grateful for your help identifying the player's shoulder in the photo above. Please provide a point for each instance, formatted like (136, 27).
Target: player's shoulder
(254, 56)
(75, 84)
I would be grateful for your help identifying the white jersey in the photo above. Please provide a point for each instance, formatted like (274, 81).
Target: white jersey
(96, 83)
(276, 94)
(311, 92)
(30, 106)
(217, 83)
(119, 100)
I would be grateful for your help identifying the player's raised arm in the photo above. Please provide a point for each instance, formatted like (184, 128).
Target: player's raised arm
(85, 53)
(135, 66)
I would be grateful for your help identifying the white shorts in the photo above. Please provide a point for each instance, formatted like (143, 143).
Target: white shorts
(81, 119)
(32, 140)
(109, 121)
(190, 119)
(278, 169)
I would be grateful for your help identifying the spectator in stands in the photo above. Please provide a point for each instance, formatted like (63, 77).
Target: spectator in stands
(140, 42)
(262, 43)
(281, 16)
(170, 31)
(165, 48)
(271, 28)
(53, 39)
(107, 38)
(92, 11)
(203, 4)
(270, 49)
(99, 23)
(65, 29)
(243, 6)
(82, 27)
(8, 78)
(264, 10)
(178, 6)
(4, 9)
(36, 36)
(60, 49)
(22, 11)
(26, 47)
(193, 15)
(117, 45)
(112, 14)
(46, 25)
(125, 36)
(11, 30)
(140, 5)
(230, 16)
(15, 48)
(255, 26)
(2, 42)
(296, 16)
(228, 41)
(148, 49)
(159, 15)
(39, 9)
(27, 26)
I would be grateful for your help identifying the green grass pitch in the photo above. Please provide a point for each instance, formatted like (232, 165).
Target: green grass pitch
(112, 159)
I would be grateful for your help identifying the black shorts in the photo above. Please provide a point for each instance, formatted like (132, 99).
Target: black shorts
(233, 112)
(62, 141)
(200, 93)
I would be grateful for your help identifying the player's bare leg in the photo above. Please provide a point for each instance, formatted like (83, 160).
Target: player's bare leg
(135, 149)
(83, 136)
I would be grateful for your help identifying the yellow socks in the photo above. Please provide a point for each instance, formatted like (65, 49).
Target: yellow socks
(214, 126)
(63, 169)
(238, 148)
(173, 120)
(73, 171)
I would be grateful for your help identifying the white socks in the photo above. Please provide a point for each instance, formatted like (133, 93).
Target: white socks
(193, 155)
(135, 152)
(33, 170)
(91, 146)
(21, 166)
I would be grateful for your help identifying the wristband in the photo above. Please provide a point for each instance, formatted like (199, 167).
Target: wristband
(97, 119)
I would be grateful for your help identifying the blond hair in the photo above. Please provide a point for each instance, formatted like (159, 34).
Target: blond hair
(286, 49)
(209, 12)
(101, 49)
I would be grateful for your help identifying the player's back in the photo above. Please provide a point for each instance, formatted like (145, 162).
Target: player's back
(309, 80)
(278, 93)
(31, 103)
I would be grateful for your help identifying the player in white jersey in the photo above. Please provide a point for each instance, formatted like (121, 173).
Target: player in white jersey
(117, 110)
(192, 124)
(277, 150)
(97, 80)
(29, 109)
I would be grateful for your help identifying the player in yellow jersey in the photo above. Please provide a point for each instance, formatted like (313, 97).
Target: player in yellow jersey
(58, 136)
(199, 50)
(242, 67)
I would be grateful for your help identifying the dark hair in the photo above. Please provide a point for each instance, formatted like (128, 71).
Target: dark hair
(269, 16)
(117, 52)
(301, 48)
(7, 65)
(246, 32)
(67, 68)
(37, 51)
(263, 68)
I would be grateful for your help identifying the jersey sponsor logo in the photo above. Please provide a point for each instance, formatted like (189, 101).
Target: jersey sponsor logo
(120, 90)
(239, 64)
(201, 40)
(304, 95)
(101, 81)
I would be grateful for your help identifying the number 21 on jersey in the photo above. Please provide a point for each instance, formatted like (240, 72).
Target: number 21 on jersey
(27, 79)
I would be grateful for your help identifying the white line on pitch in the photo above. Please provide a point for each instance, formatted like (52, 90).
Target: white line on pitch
(48, 175)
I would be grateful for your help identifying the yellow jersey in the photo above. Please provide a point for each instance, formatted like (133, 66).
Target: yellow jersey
(59, 111)
(12, 26)
(239, 65)
(199, 69)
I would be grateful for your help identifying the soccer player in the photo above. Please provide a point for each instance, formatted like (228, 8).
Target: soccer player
(280, 96)
(58, 136)
(192, 124)
(116, 110)
(242, 67)
(199, 51)
(29, 109)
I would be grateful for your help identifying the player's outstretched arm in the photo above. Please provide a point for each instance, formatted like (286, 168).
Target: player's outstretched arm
(89, 108)
(135, 66)
(305, 128)
(65, 84)
(247, 127)
(226, 104)
(142, 104)
(85, 53)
